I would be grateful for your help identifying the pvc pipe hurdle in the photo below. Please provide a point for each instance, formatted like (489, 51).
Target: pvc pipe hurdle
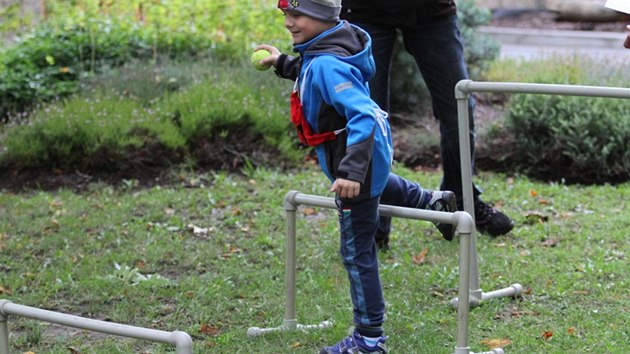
(181, 340)
(463, 89)
(464, 228)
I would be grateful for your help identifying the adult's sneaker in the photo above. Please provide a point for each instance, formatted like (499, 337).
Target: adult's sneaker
(444, 201)
(491, 221)
(355, 344)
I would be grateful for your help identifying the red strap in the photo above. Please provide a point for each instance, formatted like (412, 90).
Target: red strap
(305, 133)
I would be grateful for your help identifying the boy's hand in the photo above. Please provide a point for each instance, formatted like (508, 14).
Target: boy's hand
(271, 59)
(346, 188)
(626, 43)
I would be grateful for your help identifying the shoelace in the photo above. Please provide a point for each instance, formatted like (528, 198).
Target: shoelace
(483, 211)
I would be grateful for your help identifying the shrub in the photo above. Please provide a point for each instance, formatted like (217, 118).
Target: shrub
(572, 138)
(48, 62)
(568, 138)
(230, 101)
(82, 38)
(103, 128)
(88, 133)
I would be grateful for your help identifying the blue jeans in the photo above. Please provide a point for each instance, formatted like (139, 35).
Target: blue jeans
(358, 222)
(438, 51)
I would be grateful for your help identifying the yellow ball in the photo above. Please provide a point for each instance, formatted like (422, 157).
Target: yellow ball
(259, 55)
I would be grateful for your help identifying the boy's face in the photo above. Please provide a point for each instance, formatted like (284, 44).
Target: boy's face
(304, 28)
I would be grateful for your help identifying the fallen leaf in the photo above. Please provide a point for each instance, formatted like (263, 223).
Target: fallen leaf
(421, 257)
(73, 350)
(496, 342)
(580, 292)
(295, 345)
(56, 204)
(5, 291)
(550, 242)
(532, 217)
(231, 251)
(209, 330)
(571, 330)
(547, 335)
(169, 211)
(308, 211)
(533, 193)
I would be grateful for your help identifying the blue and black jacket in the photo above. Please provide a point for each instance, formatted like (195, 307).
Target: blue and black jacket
(333, 69)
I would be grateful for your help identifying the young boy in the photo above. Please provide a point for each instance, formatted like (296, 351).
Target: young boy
(332, 110)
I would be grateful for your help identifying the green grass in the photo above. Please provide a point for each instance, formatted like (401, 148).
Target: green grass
(60, 251)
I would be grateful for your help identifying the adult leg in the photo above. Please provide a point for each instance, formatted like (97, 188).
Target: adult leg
(438, 51)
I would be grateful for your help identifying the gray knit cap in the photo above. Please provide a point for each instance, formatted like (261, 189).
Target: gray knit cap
(325, 10)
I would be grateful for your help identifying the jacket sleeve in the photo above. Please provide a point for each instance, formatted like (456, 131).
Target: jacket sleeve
(341, 86)
(288, 67)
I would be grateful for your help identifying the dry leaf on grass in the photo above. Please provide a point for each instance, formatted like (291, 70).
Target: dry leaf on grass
(496, 342)
(421, 257)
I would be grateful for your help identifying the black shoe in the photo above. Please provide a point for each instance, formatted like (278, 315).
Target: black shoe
(444, 201)
(491, 221)
(382, 241)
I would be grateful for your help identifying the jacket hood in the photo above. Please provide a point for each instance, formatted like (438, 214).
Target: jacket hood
(345, 41)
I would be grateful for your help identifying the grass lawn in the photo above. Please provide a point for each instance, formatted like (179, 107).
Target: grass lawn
(206, 256)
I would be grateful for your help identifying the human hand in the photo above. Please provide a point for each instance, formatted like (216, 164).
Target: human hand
(270, 59)
(626, 43)
(346, 188)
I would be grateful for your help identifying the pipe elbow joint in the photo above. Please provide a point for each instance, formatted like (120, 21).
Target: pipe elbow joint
(465, 223)
(461, 89)
(289, 201)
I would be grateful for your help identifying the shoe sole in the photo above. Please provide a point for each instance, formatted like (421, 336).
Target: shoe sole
(448, 230)
(496, 232)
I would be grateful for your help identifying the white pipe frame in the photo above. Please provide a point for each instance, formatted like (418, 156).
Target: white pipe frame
(464, 227)
(181, 340)
(463, 89)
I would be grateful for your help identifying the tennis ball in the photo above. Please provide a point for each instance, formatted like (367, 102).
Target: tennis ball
(259, 55)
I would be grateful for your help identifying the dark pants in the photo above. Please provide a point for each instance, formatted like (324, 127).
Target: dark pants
(358, 221)
(438, 51)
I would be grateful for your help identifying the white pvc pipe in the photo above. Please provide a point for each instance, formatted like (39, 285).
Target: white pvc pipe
(180, 340)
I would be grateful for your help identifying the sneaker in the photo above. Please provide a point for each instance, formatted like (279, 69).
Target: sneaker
(354, 344)
(444, 201)
(382, 241)
(491, 221)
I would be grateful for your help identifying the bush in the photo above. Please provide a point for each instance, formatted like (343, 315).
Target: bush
(105, 129)
(574, 139)
(82, 38)
(88, 133)
(568, 138)
(48, 62)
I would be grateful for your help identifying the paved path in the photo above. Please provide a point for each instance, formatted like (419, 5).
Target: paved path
(532, 43)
